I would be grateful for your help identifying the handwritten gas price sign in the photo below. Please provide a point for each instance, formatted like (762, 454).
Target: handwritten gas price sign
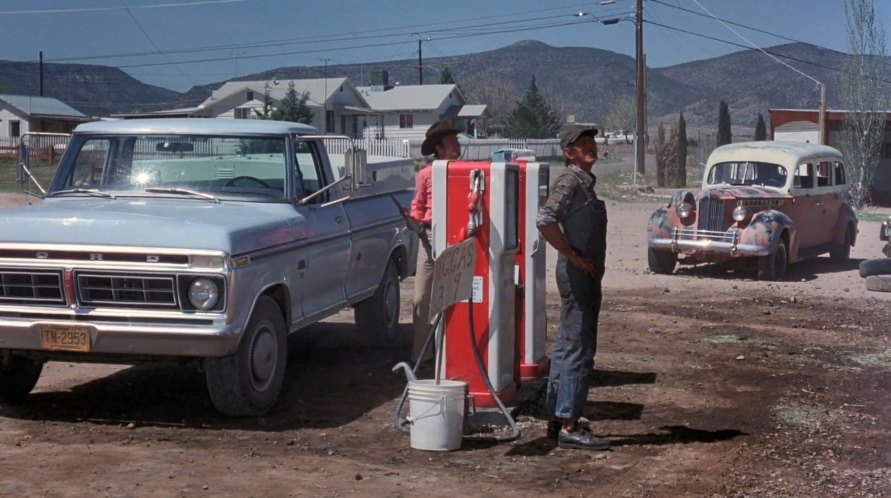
(452, 276)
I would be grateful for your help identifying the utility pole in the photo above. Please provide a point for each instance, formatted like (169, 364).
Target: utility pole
(40, 74)
(824, 135)
(420, 65)
(325, 99)
(640, 145)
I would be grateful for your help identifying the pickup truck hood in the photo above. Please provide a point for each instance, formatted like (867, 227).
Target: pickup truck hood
(168, 223)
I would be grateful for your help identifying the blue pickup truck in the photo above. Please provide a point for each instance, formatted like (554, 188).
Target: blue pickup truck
(204, 239)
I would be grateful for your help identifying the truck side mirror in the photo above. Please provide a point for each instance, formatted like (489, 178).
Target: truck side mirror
(23, 177)
(356, 162)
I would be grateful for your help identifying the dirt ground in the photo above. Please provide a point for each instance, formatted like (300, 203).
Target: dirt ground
(707, 382)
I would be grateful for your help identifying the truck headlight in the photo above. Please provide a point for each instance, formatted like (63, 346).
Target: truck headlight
(684, 209)
(739, 213)
(203, 293)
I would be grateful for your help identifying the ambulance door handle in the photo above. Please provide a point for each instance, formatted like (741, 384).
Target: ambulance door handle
(535, 246)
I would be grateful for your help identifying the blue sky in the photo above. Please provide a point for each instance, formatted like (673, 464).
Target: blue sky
(180, 43)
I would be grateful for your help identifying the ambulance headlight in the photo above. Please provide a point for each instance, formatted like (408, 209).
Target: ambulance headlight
(739, 213)
(204, 293)
(684, 210)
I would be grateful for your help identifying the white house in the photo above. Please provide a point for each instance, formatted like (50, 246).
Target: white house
(406, 111)
(336, 104)
(20, 114)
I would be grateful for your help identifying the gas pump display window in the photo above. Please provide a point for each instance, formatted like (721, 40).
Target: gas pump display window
(511, 209)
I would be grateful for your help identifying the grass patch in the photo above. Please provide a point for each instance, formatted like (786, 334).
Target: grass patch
(871, 216)
(874, 360)
(802, 415)
(725, 339)
(8, 168)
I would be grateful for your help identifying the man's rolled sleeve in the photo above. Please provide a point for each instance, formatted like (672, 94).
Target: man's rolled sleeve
(555, 208)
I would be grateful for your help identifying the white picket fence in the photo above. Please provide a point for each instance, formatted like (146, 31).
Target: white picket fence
(471, 150)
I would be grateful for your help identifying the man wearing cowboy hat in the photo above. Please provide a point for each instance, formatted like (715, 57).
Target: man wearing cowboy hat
(573, 221)
(441, 141)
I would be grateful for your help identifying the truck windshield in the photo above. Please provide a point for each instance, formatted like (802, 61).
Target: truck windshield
(248, 168)
(747, 173)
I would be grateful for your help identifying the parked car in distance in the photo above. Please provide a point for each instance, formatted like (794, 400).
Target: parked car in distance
(765, 204)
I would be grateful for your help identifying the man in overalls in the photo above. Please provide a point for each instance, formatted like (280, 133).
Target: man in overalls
(573, 221)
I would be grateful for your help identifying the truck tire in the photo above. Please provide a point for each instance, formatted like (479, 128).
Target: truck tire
(661, 262)
(878, 266)
(377, 318)
(878, 283)
(18, 376)
(841, 253)
(774, 265)
(247, 383)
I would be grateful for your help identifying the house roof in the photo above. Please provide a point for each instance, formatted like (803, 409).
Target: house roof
(319, 90)
(42, 106)
(407, 97)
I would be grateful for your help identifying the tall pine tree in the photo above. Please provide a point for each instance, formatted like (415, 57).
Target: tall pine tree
(533, 117)
(760, 129)
(680, 170)
(724, 136)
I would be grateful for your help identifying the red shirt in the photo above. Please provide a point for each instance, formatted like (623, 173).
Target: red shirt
(422, 202)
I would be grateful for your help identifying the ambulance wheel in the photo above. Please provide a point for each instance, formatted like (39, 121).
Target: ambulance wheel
(18, 376)
(247, 383)
(774, 265)
(377, 318)
(661, 262)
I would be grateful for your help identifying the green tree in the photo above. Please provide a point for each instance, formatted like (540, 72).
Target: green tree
(724, 136)
(864, 97)
(267, 104)
(680, 170)
(666, 154)
(533, 117)
(293, 107)
(445, 77)
(760, 129)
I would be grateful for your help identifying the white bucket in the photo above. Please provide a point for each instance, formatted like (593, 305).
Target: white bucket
(436, 414)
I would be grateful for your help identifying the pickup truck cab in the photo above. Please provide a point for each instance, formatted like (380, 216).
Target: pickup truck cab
(205, 239)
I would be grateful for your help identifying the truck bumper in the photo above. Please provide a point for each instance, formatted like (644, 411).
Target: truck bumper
(692, 240)
(126, 338)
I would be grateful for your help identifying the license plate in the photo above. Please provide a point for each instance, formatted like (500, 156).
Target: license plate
(65, 337)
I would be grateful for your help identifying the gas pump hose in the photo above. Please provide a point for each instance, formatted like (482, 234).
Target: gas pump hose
(514, 430)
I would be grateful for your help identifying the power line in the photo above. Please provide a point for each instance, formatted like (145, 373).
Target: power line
(106, 9)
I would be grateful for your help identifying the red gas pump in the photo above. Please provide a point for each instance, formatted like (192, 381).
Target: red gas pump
(493, 222)
(531, 320)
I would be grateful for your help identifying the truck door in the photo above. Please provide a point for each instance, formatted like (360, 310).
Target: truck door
(328, 234)
(805, 211)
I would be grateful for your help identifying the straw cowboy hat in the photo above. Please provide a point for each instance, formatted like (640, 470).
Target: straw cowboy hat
(436, 133)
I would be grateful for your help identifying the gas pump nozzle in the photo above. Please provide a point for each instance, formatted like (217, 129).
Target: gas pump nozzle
(413, 224)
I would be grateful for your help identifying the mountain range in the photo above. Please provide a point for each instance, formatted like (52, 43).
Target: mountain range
(583, 82)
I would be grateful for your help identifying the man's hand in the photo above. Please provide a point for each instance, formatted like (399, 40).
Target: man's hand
(587, 265)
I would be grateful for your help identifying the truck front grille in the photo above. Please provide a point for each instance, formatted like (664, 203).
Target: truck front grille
(711, 214)
(126, 290)
(31, 287)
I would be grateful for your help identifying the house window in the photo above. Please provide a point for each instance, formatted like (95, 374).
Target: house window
(15, 129)
(329, 122)
(406, 121)
(242, 113)
(250, 96)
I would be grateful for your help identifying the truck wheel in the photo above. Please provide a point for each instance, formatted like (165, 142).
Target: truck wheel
(247, 383)
(878, 283)
(841, 253)
(661, 262)
(377, 318)
(878, 266)
(773, 266)
(18, 376)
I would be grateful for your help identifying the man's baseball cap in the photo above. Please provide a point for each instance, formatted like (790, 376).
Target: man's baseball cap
(572, 132)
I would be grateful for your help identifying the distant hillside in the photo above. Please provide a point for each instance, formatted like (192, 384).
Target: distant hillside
(92, 90)
(584, 82)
